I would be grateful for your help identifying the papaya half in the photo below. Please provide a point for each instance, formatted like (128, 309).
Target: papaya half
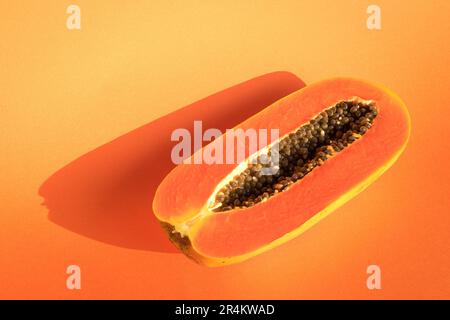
(335, 138)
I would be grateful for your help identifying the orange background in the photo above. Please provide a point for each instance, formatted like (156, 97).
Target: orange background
(64, 93)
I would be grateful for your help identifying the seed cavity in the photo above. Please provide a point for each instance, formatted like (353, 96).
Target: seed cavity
(300, 152)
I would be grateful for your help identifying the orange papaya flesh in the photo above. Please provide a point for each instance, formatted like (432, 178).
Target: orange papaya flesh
(189, 202)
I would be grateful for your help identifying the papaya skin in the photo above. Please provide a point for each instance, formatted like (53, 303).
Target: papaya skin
(216, 239)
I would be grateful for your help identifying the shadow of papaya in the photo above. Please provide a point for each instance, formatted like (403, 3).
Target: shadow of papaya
(107, 193)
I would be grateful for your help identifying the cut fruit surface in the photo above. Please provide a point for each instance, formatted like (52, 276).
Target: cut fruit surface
(335, 138)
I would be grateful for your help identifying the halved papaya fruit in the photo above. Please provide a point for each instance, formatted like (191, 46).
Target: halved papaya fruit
(336, 137)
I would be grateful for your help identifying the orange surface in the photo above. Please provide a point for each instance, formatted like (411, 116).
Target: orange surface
(64, 93)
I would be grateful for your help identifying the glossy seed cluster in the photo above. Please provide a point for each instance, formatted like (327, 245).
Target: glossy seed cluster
(299, 153)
